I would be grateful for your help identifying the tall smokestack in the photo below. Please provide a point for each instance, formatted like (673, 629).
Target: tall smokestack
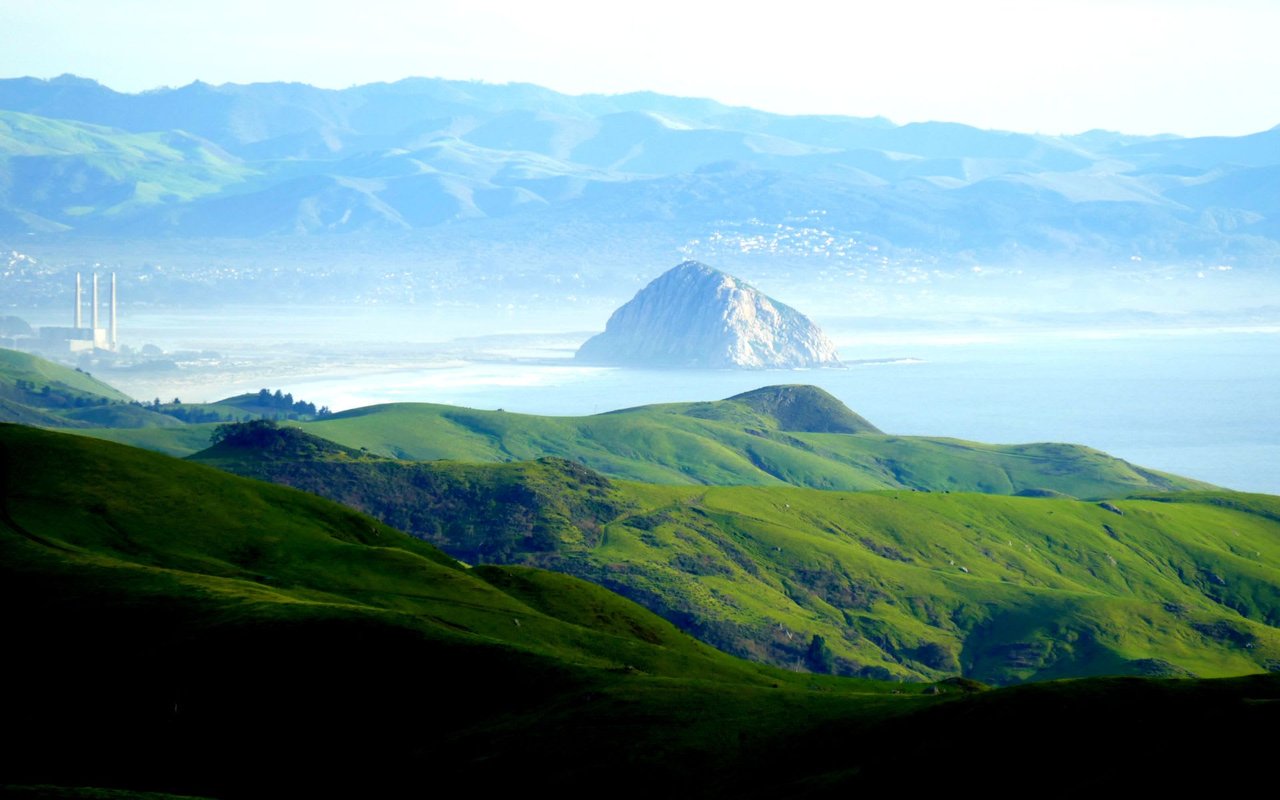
(95, 301)
(79, 301)
(113, 311)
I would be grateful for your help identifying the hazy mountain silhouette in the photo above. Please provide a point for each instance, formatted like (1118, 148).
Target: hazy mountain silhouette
(276, 158)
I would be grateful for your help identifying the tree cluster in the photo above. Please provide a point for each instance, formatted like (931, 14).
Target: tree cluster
(49, 396)
(255, 432)
(283, 401)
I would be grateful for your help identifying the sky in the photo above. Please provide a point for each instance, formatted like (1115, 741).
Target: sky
(1190, 67)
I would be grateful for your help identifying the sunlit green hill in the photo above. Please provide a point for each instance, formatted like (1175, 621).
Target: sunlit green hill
(41, 383)
(776, 435)
(58, 171)
(797, 435)
(895, 584)
(37, 391)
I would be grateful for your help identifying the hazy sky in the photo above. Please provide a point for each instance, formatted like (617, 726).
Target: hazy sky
(1142, 66)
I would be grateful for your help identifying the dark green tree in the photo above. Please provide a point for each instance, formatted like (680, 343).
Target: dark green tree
(819, 657)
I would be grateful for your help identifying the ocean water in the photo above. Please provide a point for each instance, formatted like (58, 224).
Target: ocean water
(1200, 402)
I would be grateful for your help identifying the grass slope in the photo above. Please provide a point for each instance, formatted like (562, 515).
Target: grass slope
(896, 584)
(177, 630)
(778, 435)
(754, 439)
(23, 414)
(171, 441)
(64, 383)
(65, 171)
(162, 521)
(122, 416)
(36, 391)
(176, 580)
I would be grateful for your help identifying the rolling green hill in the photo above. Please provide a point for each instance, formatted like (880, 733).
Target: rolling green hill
(894, 584)
(122, 416)
(37, 391)
(175, 629)
(42, 383)
(777, 435)
(167, 590)
(145, 519)
(796, 435)
(23, 414)
(58, 170)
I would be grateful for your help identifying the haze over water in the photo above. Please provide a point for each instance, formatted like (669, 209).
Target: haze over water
(1199, 402)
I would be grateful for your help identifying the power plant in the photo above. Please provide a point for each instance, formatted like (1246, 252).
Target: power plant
(78, 338)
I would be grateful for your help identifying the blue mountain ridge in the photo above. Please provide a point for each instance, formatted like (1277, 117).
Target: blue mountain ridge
(268, 159)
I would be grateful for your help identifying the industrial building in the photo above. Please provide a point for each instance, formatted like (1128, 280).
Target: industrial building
(80, 338)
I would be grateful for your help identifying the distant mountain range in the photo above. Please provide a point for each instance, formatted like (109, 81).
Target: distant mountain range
(280, 159)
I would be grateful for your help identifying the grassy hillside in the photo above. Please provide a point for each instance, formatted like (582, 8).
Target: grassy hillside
(180, 441)
(36, 391)
(96, 504)
(895, 584)
(64, 170)
(796, 407)
(183, 631)
(122, 416)
(778, 435)
(23, 414)
(193, 592)
(753, 439)
(64, 385)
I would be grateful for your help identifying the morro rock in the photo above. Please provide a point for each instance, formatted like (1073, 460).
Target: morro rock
(696, 316)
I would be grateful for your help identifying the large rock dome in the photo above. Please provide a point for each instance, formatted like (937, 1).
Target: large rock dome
(696, 316)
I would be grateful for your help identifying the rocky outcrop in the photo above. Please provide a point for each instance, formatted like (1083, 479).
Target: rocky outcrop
(696, 316)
